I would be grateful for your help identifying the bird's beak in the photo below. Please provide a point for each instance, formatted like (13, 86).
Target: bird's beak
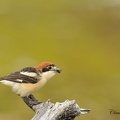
(56, 69)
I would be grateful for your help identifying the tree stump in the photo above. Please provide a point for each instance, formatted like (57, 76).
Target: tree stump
(67, 110)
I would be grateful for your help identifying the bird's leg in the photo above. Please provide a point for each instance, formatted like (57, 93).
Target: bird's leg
(34, 100)
(27, 101)
(31, 101)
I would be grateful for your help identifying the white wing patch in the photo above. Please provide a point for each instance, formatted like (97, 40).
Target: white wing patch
(19, 80)
(30, 74)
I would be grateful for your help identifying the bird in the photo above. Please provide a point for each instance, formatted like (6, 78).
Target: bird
(26, 81)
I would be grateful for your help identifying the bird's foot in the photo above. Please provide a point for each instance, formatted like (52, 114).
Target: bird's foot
(33, 100)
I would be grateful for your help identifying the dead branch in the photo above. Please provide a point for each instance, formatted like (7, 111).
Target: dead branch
(67, 110)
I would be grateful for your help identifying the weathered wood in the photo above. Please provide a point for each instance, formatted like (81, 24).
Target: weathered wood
(67, 110)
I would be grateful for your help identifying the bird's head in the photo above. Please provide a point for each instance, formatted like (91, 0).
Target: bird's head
(47, 69)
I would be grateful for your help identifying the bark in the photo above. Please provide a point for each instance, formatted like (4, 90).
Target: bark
(67, 110)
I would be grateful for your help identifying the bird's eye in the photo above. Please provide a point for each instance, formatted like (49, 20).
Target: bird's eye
(49, 67)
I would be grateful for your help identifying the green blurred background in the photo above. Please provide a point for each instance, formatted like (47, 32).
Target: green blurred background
(81, 37)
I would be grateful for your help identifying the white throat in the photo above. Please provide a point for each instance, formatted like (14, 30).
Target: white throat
(47, 75)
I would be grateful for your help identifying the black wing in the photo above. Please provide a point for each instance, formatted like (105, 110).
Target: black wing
(20, 78)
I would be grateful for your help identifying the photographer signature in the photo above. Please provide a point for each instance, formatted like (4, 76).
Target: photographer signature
(112, 111)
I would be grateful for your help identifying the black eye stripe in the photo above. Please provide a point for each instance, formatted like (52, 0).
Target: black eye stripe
(47, 68)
